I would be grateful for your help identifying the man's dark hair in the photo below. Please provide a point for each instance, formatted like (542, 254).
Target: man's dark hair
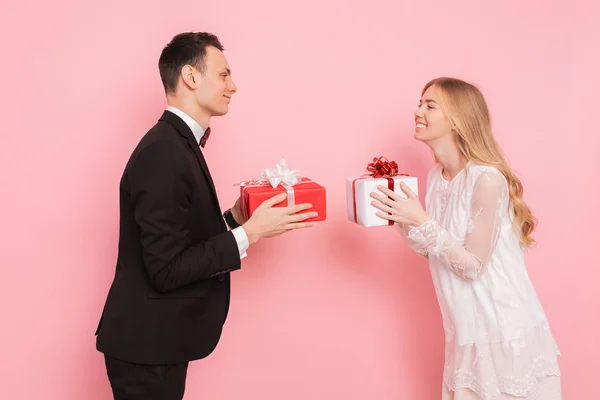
(187, 48)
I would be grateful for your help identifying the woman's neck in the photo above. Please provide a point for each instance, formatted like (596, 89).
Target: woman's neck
(450, 159)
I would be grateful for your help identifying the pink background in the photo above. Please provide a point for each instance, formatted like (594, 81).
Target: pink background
(338, 312)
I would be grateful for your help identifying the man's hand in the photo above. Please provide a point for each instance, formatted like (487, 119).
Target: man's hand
(268, 221)
(236, 211)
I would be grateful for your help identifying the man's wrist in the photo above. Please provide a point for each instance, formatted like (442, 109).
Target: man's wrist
(252, 236)
(231, 219)
(238, 215)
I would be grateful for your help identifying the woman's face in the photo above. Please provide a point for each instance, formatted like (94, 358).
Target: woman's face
(431, 122)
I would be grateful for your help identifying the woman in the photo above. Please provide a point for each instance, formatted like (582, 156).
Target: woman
(474, 233)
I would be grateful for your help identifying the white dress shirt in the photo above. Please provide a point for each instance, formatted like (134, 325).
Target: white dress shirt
(240, 235)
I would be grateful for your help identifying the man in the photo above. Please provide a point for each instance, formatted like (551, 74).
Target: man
(170, 295)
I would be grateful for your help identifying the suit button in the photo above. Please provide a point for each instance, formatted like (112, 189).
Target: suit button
(222, 277)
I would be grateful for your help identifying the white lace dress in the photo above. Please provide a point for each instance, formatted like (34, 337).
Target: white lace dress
(498, 341)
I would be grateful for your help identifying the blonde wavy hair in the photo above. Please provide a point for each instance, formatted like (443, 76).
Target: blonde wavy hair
(464, 105)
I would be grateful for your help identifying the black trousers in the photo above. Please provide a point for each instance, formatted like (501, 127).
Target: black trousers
(145, 382)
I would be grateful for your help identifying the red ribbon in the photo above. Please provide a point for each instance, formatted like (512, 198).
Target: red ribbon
(379, 168)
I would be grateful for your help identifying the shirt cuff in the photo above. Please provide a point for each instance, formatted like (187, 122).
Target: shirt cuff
(242, 240)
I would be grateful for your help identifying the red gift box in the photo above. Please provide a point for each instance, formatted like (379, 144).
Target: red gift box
(253, 193)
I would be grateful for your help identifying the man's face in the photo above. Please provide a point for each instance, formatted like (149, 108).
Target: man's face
(215, 86)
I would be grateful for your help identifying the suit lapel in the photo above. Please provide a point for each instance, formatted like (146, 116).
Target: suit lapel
(185, 131)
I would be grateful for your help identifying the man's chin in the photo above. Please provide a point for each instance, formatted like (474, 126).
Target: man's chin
(220, 112)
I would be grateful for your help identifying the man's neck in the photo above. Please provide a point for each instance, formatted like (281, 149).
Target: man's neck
(196, 113)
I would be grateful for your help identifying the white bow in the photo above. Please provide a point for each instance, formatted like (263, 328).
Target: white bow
(281, 174)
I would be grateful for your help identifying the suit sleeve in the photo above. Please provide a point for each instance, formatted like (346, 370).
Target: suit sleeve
(161, 191)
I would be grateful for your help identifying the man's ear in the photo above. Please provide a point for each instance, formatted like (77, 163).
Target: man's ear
(190, 76)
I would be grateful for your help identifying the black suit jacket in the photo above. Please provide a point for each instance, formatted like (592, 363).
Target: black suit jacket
(170, 295)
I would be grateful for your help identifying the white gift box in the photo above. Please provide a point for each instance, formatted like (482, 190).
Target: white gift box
(358, 197)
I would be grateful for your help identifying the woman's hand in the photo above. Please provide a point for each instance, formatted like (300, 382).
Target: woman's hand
(398, 209)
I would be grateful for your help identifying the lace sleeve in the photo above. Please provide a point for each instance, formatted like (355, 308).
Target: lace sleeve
(468, 261)
(417, 247)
